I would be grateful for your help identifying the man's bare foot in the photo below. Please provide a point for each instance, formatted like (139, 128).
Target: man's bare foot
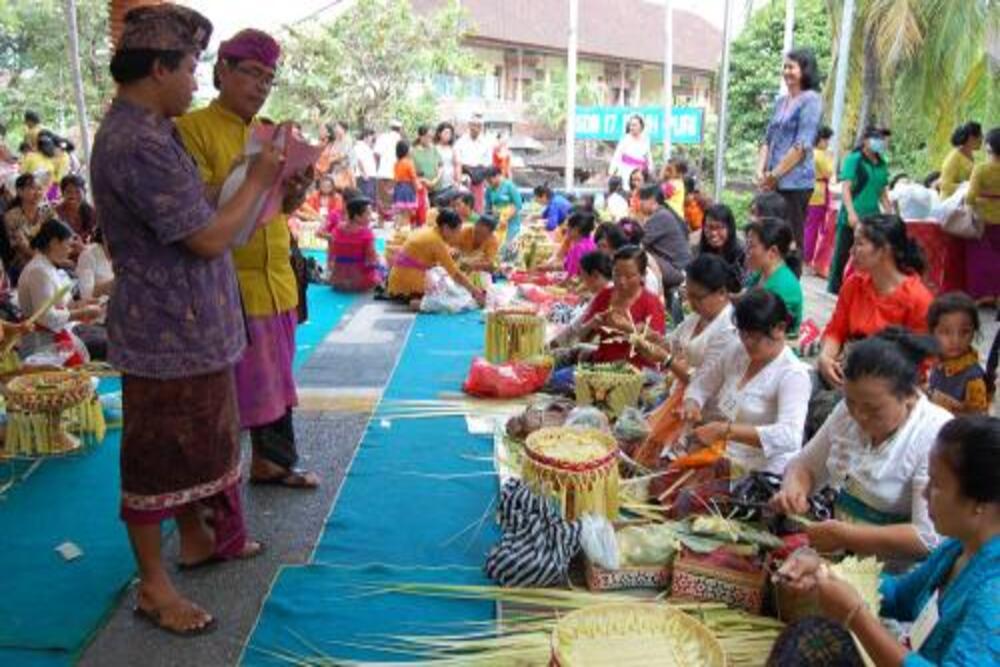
(167, 609)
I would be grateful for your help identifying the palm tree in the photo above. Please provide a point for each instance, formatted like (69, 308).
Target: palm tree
(931, 53)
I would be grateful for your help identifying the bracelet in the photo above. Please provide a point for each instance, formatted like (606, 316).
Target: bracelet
(854, 612)
(669, 362)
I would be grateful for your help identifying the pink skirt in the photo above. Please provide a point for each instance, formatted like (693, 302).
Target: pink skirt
(265, 386)
(982, 264)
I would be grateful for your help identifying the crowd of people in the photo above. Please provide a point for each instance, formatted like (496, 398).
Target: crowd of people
(204, 334)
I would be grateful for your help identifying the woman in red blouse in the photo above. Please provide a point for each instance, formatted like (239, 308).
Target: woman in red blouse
(885, 289)
(622, 309)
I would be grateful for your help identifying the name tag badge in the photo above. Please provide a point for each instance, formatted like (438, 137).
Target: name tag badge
(728, 405)
(925, 623)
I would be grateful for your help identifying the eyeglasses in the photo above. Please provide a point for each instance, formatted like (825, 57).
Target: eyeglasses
(259, 76)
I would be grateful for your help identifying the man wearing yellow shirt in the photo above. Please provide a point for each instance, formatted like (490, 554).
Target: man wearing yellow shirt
(215, 137)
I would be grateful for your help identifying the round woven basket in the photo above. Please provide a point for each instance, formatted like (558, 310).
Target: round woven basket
(575, 466)
(47, 410)
(653, 635)
(47, 391)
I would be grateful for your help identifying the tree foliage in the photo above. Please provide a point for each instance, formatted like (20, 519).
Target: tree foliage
(755, 73)
(920, 67)
(34, 61)
(547, 102)
(372, 62)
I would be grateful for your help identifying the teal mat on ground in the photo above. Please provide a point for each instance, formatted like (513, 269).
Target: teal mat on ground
(412, 490)
(50, 607)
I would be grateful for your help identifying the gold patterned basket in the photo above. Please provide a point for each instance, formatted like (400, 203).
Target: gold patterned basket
(653, 635)
(514, 335)
(576, 466)
(47, 409)
(610, 387)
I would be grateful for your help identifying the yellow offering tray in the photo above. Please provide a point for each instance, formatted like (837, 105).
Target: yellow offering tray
(652, 635)
(577, 467)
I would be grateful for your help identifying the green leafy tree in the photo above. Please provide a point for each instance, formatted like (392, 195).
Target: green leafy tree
(372, 62)
(34, 62)
(547, 101)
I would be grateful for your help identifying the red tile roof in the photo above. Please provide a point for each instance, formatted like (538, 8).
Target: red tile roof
(630, 30)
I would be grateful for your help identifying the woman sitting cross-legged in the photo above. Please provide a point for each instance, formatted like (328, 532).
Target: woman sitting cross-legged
(705, 336)
(758, 387)
(40, 281)
(623, 310)
(873, 448)
(769, 242)
(425, 248)
(885, 290)
(953, 597)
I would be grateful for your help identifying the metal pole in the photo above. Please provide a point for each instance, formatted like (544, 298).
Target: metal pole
(843, 56)
(668, 76)
(720, 139)
(789, 39)
(74, 63)
(574, 15)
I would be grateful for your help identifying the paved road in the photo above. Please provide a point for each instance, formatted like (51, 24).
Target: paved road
(338, 387)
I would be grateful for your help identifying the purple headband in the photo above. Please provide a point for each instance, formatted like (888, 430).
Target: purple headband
(251, 44)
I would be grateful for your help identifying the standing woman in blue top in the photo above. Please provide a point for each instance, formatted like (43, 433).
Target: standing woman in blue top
(952, 598)
(785, 161)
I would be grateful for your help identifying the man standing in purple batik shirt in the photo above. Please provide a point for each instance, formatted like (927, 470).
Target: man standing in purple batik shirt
(175, 327)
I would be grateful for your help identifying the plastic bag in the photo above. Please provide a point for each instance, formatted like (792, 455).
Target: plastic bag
(508, 380)
(444, 295)
(597, 537)
(588, 417)
(631, 426)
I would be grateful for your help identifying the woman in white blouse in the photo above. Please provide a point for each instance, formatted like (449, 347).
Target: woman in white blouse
(760, 388)
(41, 280)
(633, 151)
(703, 337)
(93, 269)
(874, 449)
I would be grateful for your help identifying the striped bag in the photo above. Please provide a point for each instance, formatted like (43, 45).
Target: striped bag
(536, 545)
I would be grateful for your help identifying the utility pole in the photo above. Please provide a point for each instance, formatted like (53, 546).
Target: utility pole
(668, 77)
(840, 92)
(574, 17)
(720, 139)
(74, 64)
(788, 42)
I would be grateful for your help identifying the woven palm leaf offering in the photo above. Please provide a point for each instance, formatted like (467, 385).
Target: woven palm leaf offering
(47, 410)
(610, 387)
(514, 335)
(575, 466)
(652, 635)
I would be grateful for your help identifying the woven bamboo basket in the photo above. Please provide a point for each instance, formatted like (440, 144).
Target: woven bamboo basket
(514, 335)
(610, 387)
(47, 410)
(575, 466)
(652, 635)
